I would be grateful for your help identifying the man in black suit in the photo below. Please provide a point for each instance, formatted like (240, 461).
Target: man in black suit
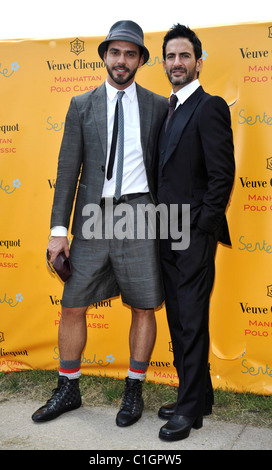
(196, 168)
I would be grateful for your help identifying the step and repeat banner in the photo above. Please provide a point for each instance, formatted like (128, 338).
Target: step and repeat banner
(38, 78)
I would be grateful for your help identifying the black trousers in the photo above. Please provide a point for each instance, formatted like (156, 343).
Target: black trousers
(188, 277)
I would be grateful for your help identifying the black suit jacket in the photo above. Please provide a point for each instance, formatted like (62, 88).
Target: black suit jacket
(196, 162)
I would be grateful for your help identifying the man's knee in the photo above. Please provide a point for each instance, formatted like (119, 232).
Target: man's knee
(142, 313)
(73, 312)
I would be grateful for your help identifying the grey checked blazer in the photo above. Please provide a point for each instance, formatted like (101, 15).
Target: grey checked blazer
(82, 157)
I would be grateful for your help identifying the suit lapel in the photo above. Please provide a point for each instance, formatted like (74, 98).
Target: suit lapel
(184, 114)
(145, 109)
(100, 115)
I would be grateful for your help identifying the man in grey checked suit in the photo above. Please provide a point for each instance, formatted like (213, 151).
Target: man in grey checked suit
(102, 267)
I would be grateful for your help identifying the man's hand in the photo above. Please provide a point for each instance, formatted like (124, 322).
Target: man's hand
(56, 245)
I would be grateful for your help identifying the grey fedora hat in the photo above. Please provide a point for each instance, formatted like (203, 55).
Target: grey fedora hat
(128, 31)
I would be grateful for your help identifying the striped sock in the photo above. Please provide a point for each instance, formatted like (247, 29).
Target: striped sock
(137, 369)
(70, 369)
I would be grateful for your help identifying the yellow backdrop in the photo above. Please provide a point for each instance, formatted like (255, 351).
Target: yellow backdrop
(37, 80)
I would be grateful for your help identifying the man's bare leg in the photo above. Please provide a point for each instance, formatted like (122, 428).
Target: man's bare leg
(142, 334)
(72, 333)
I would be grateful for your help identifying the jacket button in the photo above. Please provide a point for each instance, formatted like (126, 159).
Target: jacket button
(103, 168)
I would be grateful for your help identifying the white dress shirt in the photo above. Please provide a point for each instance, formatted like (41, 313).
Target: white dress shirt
(184, 93)
(134, 174)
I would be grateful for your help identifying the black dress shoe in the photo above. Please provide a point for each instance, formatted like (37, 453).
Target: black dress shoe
(179, 427)
(167, 411)
(66, 397)
(132, 403)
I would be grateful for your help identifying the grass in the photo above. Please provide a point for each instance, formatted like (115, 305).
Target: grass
(242, 408)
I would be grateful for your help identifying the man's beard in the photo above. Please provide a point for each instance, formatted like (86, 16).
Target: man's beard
(121, 80)
(188, 77)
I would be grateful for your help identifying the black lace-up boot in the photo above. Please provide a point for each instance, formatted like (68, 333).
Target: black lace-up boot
(66, 397)
(132, 403)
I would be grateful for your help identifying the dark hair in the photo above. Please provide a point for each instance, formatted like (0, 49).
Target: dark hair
(182, 31)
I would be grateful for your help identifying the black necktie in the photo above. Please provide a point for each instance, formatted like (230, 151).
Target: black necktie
(172, 106)
(114, 138)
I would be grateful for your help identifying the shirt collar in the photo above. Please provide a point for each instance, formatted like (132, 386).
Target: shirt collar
(184, 93)
(129, 91)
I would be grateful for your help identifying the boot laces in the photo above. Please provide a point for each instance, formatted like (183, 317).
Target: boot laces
(132, 395)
